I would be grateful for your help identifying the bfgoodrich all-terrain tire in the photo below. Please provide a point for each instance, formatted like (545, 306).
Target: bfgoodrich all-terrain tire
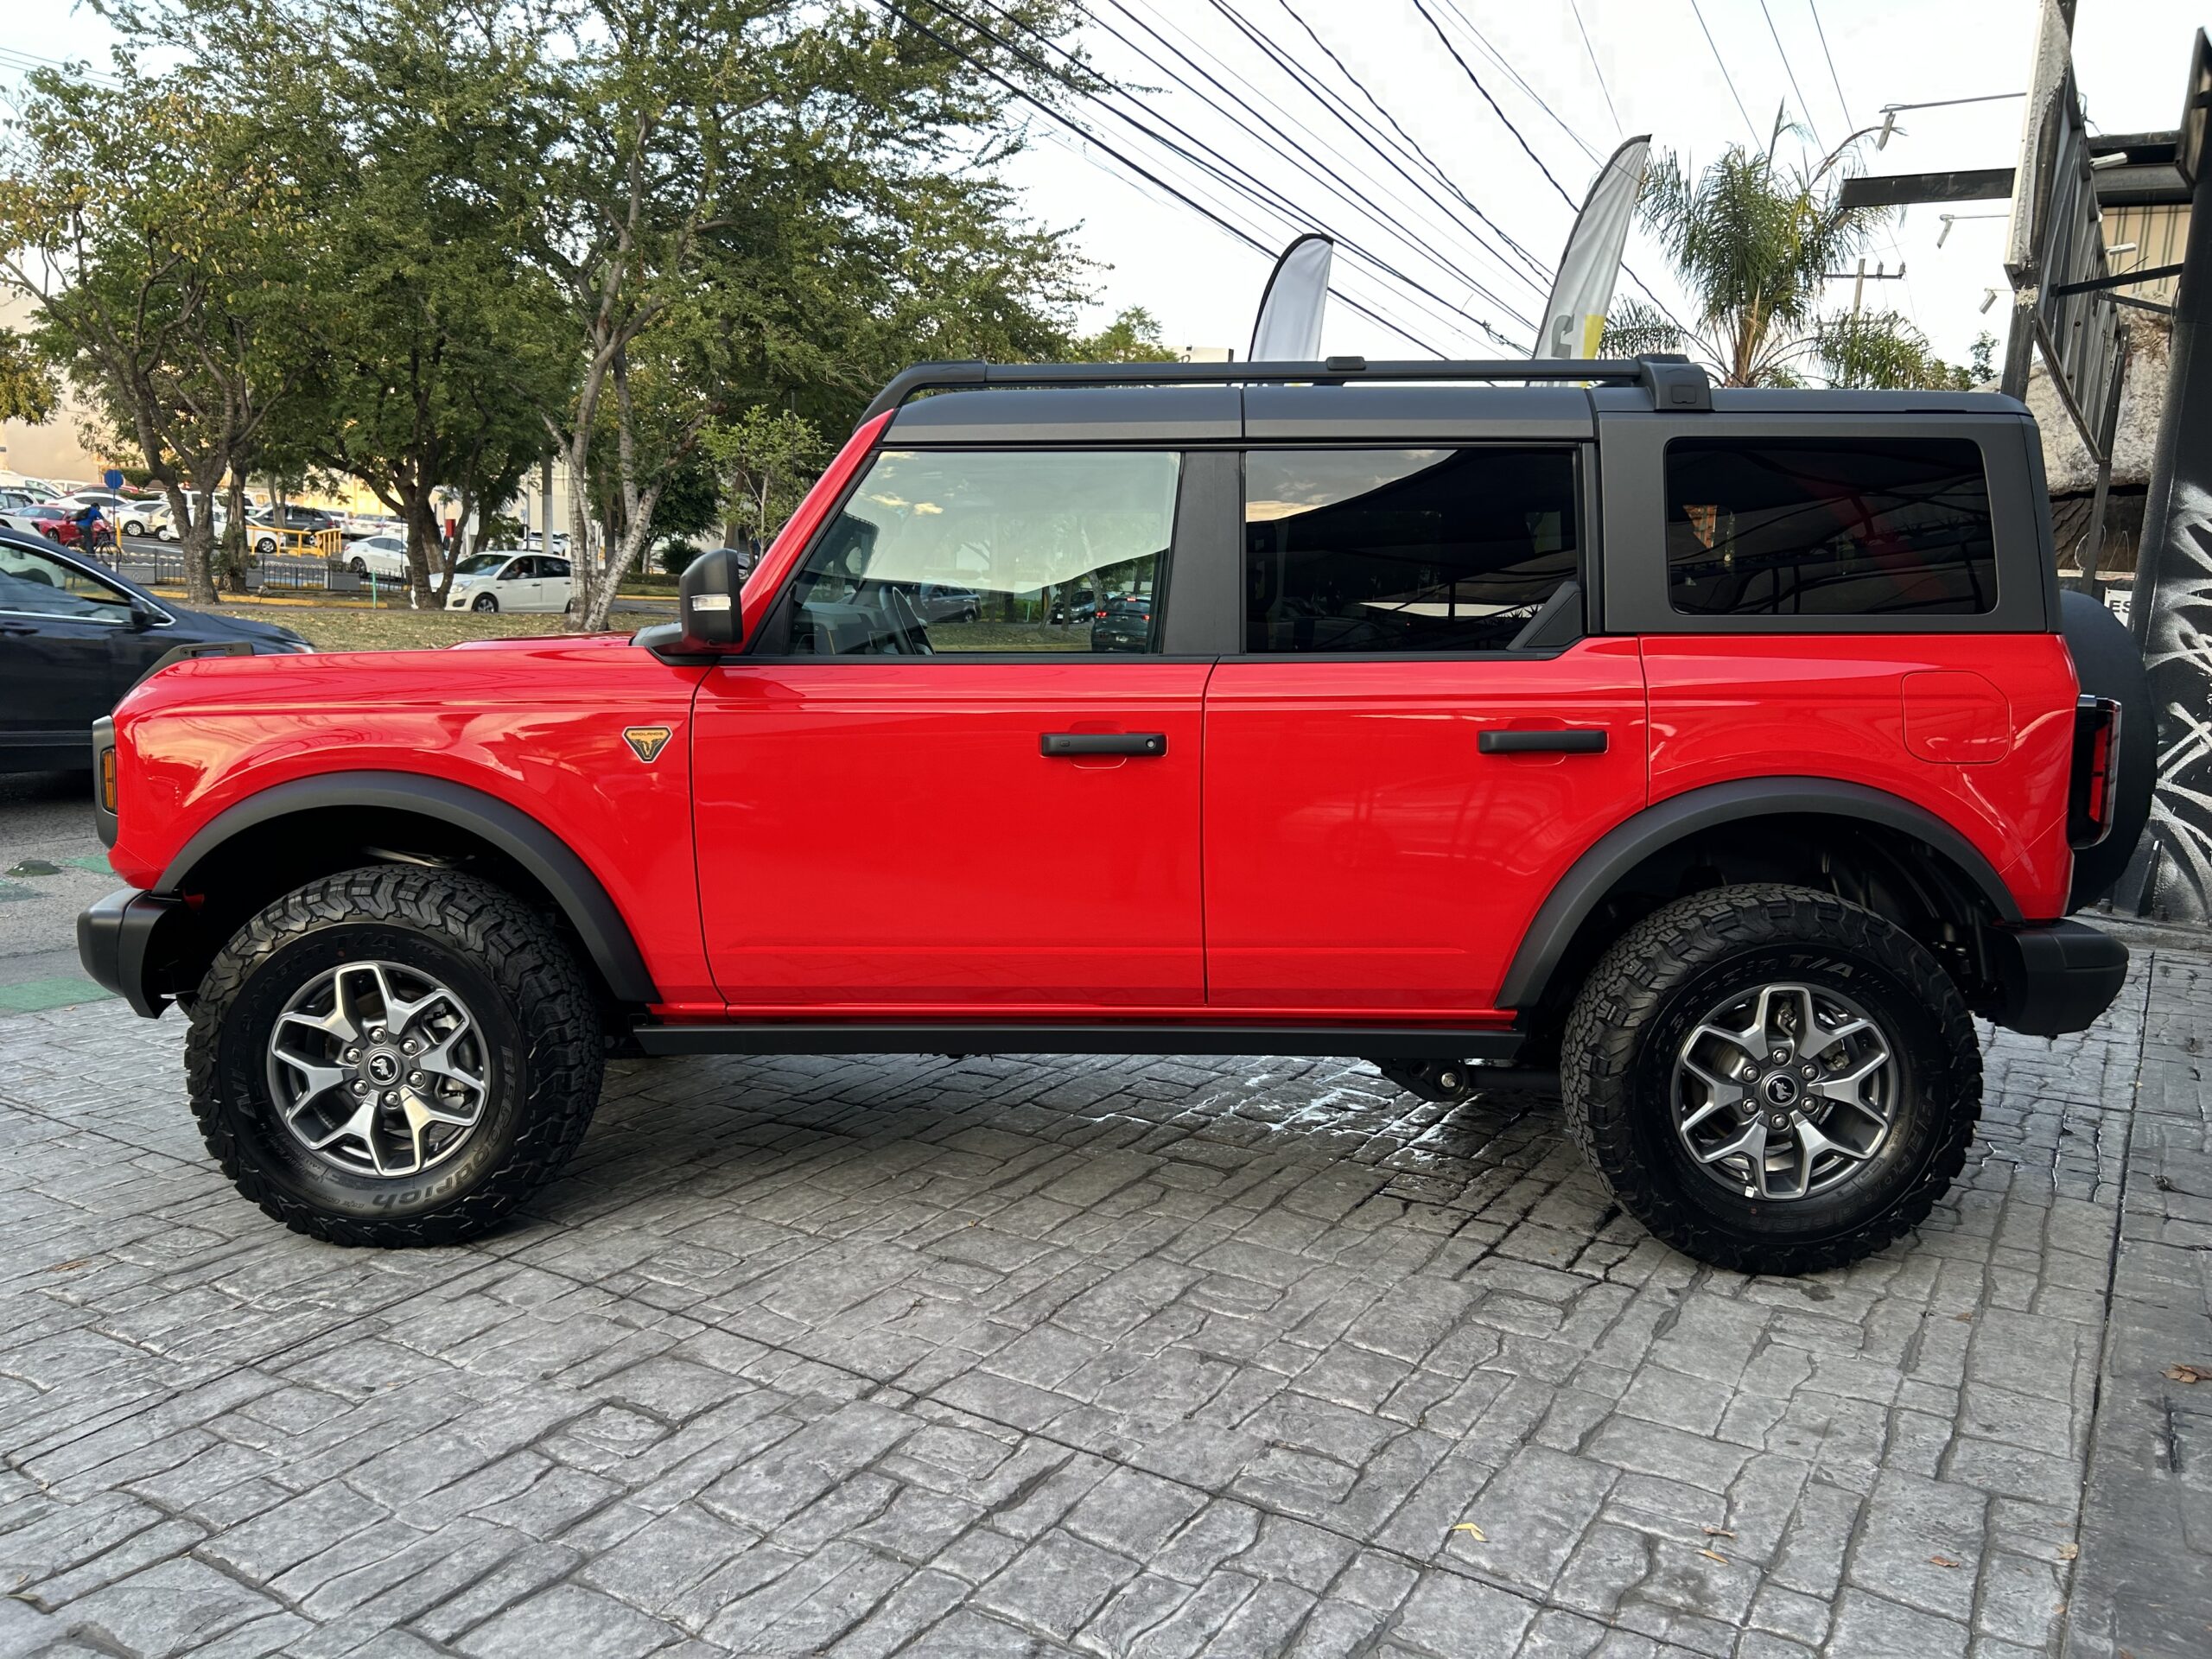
(394, 1055)
(1772, 1079)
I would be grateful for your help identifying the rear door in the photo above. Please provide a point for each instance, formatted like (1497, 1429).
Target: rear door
(1419, 737)
(976, 815)
(558, 587)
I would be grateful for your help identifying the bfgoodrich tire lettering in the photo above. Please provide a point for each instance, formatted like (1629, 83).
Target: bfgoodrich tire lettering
(539, 1028)
(1649, 992)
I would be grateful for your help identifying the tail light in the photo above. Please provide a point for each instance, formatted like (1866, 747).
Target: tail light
(2091, 790)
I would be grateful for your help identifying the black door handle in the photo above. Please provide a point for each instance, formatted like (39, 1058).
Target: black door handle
(1515, 742)
(1057, 743)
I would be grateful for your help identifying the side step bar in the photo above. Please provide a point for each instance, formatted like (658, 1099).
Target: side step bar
(820, 1036)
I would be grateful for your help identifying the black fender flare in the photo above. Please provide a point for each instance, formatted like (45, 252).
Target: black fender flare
(550, 861)
(1652, 831)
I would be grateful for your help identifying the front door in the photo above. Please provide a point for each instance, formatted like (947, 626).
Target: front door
(63, 633)
(986, 811)
(518, 585)
(1417, 739)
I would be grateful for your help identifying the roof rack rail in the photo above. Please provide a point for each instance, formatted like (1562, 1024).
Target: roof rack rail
(1674, 381)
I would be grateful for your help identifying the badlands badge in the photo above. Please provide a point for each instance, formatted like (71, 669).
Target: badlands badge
(646, 742)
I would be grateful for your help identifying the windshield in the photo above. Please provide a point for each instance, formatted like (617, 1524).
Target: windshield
(480, 564)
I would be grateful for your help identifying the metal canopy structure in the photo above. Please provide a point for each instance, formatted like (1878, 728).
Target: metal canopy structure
(2055, 247)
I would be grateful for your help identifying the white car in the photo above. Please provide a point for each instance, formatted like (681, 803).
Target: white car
(511, 582)
(143, 516)
(161, 523)
(383, 556)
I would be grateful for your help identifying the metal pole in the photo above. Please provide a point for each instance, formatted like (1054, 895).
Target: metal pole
(1858, 288)
(2092, 548)
(2172, 875)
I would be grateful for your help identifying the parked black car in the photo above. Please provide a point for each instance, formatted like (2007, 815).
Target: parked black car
(74, 637)
(1124, 624)
(291, 517)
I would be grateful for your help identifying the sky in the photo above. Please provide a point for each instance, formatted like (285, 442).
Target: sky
(1662, 78)
(1646, 65)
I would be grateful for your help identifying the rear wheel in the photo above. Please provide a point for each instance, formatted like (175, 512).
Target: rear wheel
(393, 1056)
(359, 566)
(1772, 1079)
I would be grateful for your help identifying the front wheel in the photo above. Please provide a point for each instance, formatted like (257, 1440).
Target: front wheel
(394, 1055)
(485, 602)
(1772, 1079)
(264, 545)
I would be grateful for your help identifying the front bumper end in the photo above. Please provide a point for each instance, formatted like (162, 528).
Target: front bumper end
(117, 942)
(2054, 979)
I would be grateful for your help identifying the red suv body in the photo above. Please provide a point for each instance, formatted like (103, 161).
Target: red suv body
(1478, 730)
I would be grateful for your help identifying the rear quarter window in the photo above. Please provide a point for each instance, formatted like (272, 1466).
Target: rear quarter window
(1828, 527)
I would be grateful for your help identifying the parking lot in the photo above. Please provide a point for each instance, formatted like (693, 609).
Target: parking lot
(1032, 1356)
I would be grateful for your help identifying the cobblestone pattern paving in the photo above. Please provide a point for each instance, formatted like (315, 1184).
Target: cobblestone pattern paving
(1001, 1356)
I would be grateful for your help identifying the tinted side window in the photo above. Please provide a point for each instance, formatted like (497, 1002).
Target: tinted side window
(991, 550)
(30, 582)
(1403, 550)
(1828, 527)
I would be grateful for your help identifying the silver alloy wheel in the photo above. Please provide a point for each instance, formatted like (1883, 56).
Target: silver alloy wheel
(1782, 1091)
(378, 1069)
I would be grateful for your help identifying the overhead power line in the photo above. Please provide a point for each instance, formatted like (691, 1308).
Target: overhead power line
(1483, 44)
(1804, 107)
(1594, 69)
(1240, 180)
(1133, 165)
(1365, 205)
(1421, 7)
(1539, 274)
(1725, 75)
(1835, 79)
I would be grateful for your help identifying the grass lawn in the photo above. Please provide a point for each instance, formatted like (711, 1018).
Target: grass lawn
(343, 628)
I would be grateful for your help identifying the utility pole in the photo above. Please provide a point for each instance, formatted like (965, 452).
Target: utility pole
(1860, 277)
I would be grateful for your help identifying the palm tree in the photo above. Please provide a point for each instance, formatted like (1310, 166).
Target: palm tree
(1751, 243)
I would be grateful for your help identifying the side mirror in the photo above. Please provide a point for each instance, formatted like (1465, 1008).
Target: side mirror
(141, 618)
(707, 602)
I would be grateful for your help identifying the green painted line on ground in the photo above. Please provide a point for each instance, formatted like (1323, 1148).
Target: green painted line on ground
(13, 890)
(98, 863)
(37, 996)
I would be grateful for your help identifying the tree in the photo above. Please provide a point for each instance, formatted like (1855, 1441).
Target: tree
(1752, 242)
(764, 194)
(438, 350)
(160, 241)
(766, 460)
(1132, 337)
(27, 388)
(417, 128)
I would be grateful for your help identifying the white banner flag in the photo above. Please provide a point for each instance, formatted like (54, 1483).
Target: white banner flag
(1582, 293)
(1288, 327)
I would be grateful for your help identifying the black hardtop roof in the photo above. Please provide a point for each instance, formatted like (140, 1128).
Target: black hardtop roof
(1344, 400)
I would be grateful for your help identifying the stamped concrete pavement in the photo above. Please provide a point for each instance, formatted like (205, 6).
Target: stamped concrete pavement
(1104, 1356)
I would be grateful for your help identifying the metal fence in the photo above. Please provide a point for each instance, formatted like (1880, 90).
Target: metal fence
(265, 573)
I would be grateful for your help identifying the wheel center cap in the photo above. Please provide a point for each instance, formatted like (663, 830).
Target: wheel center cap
(1781, 1090)
(382, 1067)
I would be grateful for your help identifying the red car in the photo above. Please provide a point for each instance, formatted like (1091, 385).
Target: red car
(1712, 755)
(55, 523)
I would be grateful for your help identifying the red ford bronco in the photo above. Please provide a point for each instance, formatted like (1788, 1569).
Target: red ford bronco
(1716, 755)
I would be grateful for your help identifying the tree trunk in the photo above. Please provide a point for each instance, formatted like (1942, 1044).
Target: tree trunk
(621, 556)
(234, 536)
